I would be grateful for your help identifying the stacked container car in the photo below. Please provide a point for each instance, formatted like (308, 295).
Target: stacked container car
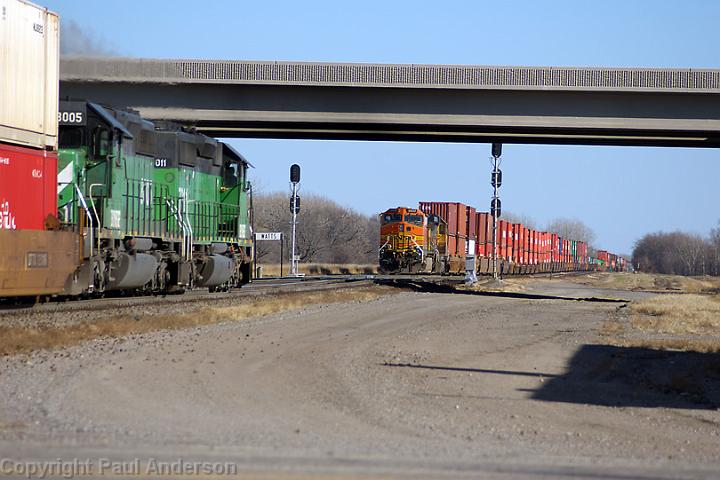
(462, 226)
(36, 256)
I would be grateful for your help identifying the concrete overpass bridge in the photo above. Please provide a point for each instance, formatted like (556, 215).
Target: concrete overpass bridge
(443, 103)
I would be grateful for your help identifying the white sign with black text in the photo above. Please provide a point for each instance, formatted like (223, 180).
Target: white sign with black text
(268, 236)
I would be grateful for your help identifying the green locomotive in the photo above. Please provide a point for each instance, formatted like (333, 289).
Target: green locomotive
(158, 207)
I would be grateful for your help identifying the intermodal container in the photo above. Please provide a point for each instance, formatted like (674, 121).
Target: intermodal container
(455, 214)
(517, 249)
(470, 219)
(29, 70)
(528, 245)
(483, 229)
(28, 187)
(533, 247)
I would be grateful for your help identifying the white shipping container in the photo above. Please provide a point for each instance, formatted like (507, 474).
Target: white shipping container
(29, 74)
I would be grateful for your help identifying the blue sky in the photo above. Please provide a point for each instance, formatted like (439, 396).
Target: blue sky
(622, 193)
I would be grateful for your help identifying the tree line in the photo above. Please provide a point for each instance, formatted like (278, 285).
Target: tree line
(678, 253)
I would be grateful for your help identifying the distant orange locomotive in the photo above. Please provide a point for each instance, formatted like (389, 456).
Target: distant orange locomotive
(438, 237)
(414, 242)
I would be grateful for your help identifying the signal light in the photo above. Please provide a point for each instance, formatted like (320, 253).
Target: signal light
(295, 204)
(295, 173)
(496, 149)
(495, 205)
(496, 178)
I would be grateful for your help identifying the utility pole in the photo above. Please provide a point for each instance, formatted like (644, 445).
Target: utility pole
(294, 209)
(495, 209)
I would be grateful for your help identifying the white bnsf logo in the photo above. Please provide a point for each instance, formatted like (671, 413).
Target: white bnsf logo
(37, 173)
(4, 161)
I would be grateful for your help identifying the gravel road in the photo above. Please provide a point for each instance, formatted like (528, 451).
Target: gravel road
(417, 385)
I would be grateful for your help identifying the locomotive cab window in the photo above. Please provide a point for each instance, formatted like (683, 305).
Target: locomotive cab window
(102, 140)
(392, 218)
(230, 174)
(72, 137)
(414, 219)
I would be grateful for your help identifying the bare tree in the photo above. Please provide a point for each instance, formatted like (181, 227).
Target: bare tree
(526, 220)
(326, 233)
(573, 229)
(690, 251)
(714, 251)
(677, 253)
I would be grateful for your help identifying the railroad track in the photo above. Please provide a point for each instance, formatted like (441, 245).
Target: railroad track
(257, 288)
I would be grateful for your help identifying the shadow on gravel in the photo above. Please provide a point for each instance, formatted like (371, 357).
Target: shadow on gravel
(449, 287)
(637, 377)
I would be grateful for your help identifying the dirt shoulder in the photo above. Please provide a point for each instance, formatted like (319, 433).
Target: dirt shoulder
(417, 385)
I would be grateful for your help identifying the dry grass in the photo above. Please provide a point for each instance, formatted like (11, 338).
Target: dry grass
(682, 344)
(649, 282)
(679, 314)
(16, 339)
(273, 269)
(687, 322)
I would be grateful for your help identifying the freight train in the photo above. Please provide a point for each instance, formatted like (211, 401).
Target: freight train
(438, 236)
(96, 199)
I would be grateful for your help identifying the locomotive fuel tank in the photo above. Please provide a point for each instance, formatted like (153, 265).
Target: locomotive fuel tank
(132, 271)
(216, 270)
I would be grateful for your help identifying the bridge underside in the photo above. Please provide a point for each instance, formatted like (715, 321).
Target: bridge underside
(651, 117)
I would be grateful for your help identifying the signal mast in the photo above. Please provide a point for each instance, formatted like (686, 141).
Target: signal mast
(495, 204)
(294, 209)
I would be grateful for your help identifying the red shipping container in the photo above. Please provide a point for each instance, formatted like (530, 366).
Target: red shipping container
(501, 234)
(28, 187)
(461, 219)
(471, 227)
(528, 246)
(453, 213)
(479, 235)
(531, 247)
(517, 248)
(510, 241)
(483, 226)
(510, 228)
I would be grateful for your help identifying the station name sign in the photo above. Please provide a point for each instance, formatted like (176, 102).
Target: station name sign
(268, 236)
